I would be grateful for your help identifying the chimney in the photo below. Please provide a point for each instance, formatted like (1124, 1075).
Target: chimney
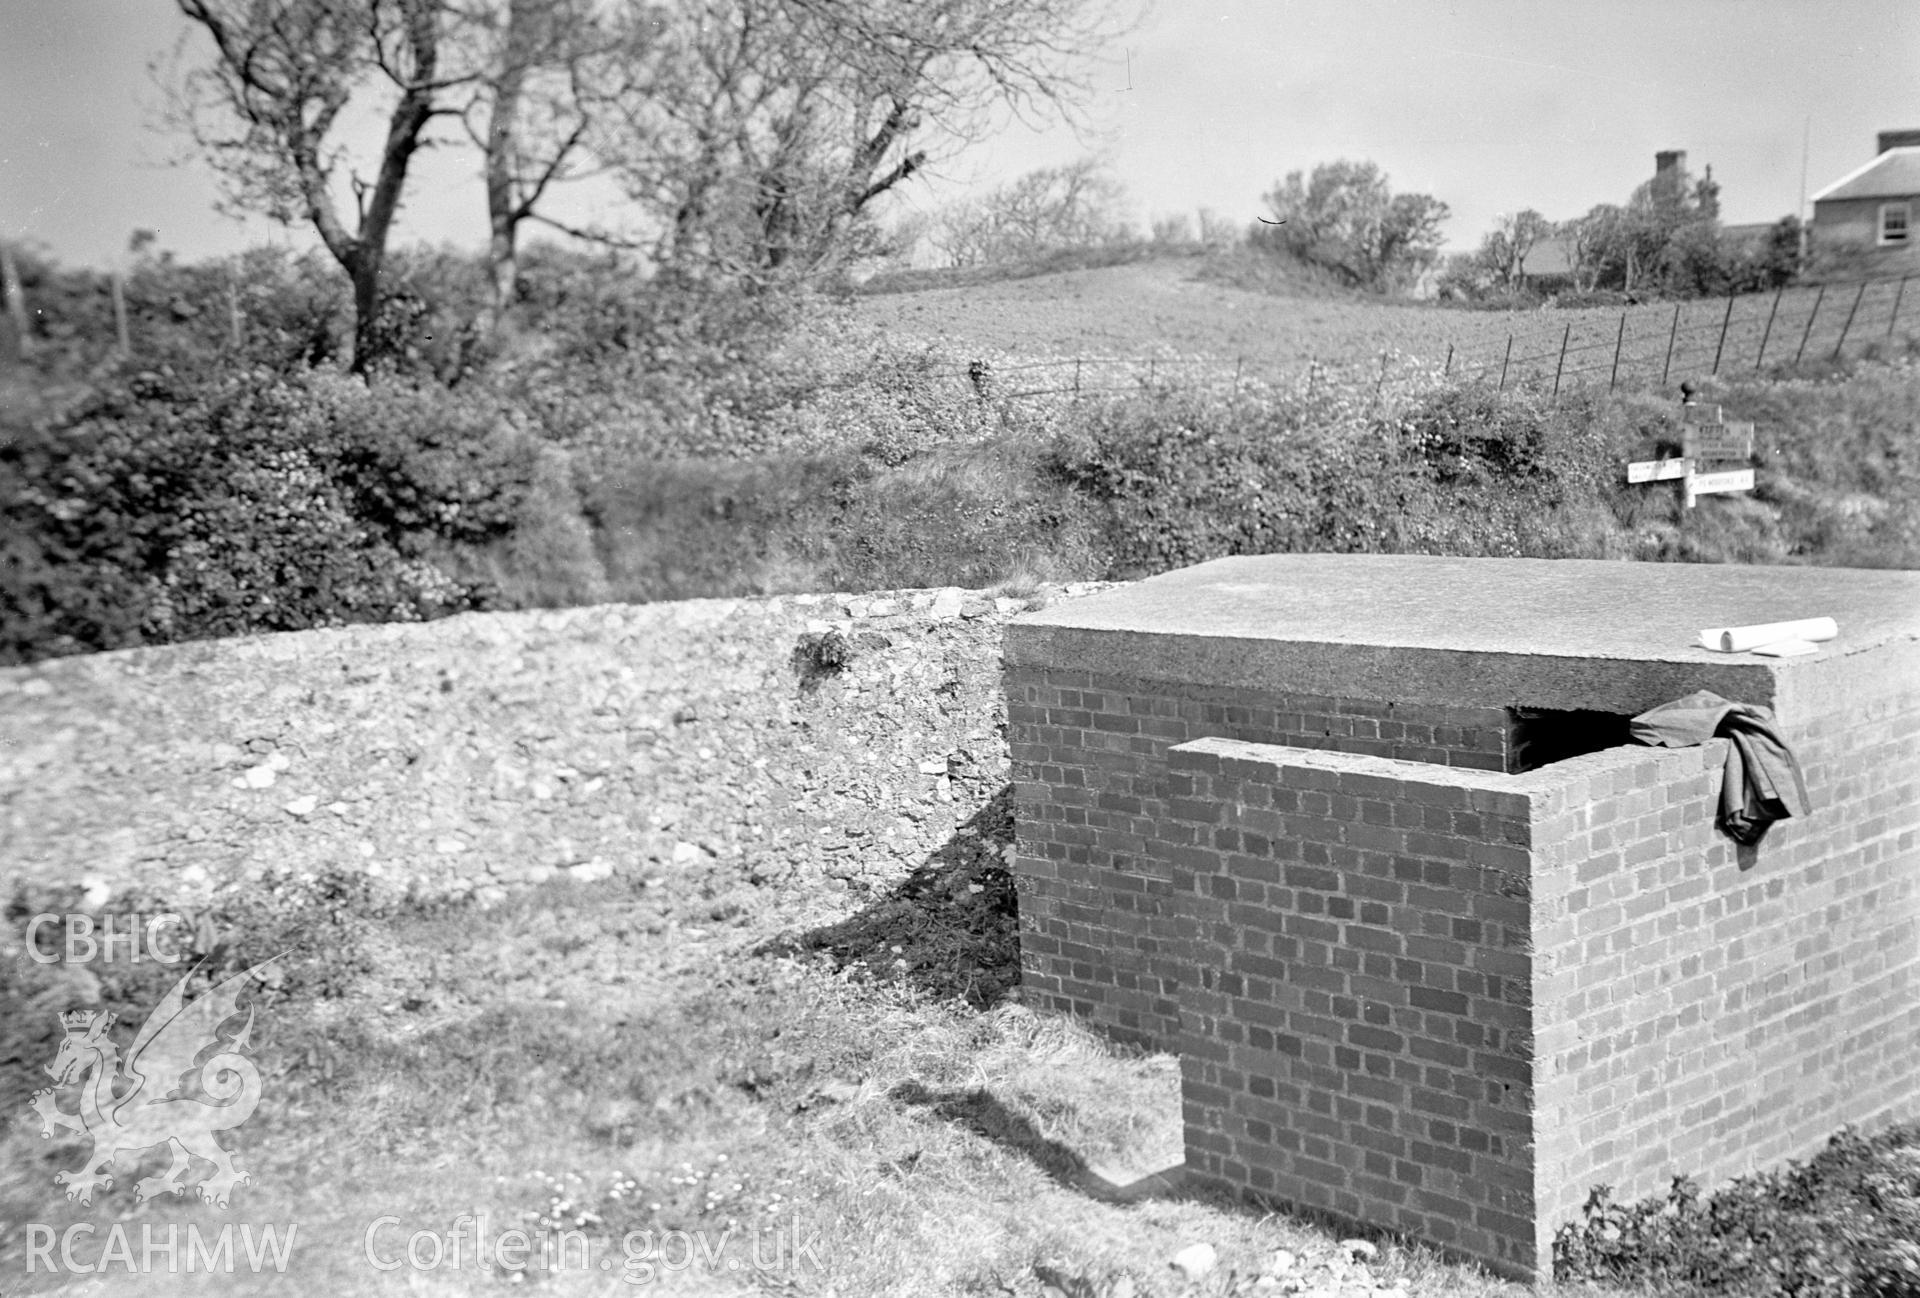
(1669, 160)
(1896, 140)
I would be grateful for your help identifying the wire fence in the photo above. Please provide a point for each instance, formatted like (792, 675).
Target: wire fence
(1656, 345)
(1092, 375)
(1642, 347)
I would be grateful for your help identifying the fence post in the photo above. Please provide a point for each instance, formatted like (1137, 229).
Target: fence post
(1721, 346)
(1503, 365)
(235, 334)
(1898, 293)
(1849, 323)
(1673, 332)
(16, 303)
(1767, 333)
(1812, 315)
(1618, 342)
(120, 335)
(1076, 376)
(1448, 369)
(1561, 364)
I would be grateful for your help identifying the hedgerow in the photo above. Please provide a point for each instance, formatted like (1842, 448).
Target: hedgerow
(637, 439)
(163, 508)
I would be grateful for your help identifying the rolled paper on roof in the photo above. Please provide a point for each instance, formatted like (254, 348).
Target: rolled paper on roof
(1742, 639)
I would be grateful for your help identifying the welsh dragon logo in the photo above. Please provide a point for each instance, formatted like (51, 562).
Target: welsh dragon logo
(149, 1098)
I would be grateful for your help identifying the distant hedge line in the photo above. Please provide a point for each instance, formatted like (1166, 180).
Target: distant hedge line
(639, 447)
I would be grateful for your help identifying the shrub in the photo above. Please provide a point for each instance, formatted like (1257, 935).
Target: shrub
(1844, 1223)
(162, 509)
(965, 516)
(686, 529)
(1182, 476)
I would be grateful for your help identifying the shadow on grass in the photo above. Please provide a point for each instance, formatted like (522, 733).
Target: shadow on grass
(950, 929)
(981, 1111)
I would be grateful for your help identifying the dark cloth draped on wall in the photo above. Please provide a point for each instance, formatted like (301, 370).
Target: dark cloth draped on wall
(1763, 782)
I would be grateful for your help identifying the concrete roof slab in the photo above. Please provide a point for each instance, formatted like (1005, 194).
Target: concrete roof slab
(1566, 633)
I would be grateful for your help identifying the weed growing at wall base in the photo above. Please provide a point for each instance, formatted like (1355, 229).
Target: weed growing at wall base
(1846, 1222)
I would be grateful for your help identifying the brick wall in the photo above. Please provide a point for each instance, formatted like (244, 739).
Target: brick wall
(1450, 1002)
(1356, 1012)
(1089, 771)
(1711, 1010)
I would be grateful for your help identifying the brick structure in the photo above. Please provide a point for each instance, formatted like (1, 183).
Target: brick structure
(1357, 837)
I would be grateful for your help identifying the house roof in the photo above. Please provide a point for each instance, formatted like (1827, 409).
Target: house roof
(1894, 174)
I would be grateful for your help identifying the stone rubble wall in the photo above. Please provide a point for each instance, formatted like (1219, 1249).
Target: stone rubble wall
(487, 751)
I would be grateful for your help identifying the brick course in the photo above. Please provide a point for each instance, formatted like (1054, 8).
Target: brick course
(1090, 785)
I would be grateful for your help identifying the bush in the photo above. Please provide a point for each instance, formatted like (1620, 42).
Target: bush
(163, 509)
(1845, 1223)
(965, 516)
(1182, 476)
(687, 529)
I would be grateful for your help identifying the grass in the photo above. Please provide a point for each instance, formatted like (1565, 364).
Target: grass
(615, 1059)
(1279, 317)
(1357, 458)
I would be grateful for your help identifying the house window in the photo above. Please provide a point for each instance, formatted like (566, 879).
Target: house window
(1893, 222)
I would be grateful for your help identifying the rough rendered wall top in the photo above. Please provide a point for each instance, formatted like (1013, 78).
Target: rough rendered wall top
(1414, 629)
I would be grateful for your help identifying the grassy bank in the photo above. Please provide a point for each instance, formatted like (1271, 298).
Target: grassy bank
(1127, 486)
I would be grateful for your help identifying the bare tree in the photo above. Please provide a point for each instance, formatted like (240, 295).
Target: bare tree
(543, 68)
(1504, 249)
(265, 110)
(1070, 206)
(759, 134)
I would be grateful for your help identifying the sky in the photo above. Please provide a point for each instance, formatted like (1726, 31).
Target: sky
(1488, 105)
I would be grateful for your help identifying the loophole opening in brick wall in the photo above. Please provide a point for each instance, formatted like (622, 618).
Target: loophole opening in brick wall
(1542, 736)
